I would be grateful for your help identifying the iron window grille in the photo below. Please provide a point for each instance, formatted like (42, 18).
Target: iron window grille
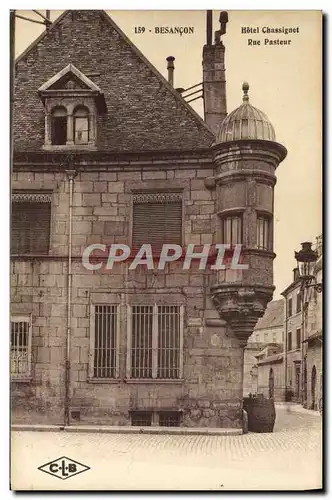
(30, 223)
(104, 342)
(169, 419)
(155, 342)
(157, 219)
(141, 418)
(20, 347)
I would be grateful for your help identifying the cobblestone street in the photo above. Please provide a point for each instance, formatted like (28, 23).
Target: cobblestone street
(289, 458)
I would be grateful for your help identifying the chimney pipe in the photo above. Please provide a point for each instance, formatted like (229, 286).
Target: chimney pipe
(209, 27)
(170, 68)
(48, 17)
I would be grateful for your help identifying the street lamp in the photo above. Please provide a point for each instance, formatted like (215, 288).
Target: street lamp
(306, 261)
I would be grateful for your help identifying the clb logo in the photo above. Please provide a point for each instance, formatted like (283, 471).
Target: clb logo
(63, 468)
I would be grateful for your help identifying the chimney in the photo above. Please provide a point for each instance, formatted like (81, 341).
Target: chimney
(48, 17)
(214, 80)
(295, 274)
(170, 68)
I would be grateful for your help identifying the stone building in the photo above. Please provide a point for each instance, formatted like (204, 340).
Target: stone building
(266, 340)
(107, 152)
(313, 341)
(293, 346)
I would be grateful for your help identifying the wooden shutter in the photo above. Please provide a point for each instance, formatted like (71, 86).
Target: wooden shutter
(30, 224)
(157, 219)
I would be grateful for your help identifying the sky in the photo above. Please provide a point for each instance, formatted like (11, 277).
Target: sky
(285, 83)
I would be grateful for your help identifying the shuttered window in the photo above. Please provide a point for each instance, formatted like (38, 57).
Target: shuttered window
(30, 223)
(157, 219)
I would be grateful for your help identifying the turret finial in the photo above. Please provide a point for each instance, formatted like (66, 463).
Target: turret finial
(245, 88)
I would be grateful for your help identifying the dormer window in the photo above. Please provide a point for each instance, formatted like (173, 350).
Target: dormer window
(72, 103)
(59, 126)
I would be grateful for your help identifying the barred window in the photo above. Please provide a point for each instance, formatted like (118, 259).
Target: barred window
(30, 224)
(104, 341)
(169, 419)
(20, 347)
(155, 342)
(141, 418)
(232, 229)
(264, 237)
(157, 219)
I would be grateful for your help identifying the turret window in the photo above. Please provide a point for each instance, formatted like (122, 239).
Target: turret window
(264, 236)
(232, 229)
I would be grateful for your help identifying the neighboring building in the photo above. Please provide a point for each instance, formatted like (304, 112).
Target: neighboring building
(293, 346)
(313, 341)
(107, 151)
(266, 340)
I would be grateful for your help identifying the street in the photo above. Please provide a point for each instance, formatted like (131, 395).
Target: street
(288, 458)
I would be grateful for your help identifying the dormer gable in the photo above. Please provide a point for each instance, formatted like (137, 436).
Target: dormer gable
(72, 103)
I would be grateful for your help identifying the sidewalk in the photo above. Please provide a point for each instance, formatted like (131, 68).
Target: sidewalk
(296, 408)
(187, 431)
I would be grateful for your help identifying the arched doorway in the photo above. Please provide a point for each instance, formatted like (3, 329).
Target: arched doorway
(271, 384)
(313, 388)
(305, 383)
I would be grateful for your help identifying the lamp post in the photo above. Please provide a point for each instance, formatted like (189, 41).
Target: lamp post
(306, 259)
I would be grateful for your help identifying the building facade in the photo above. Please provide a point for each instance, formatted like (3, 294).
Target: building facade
(107, 153)
(266, 340)
(313, 341)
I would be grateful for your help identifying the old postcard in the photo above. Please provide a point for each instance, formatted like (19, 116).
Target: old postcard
(166, 250)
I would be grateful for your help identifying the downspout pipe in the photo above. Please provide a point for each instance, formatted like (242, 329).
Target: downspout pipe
(71, 175)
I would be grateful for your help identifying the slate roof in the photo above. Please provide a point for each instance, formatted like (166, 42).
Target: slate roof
(273, 317)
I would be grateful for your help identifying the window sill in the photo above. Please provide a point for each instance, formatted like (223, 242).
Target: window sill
(22, 380)
(104, 380)
(69, 147)
(153, 381)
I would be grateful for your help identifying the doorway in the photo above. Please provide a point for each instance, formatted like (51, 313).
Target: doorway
(298, 382)
(313, 388)
(271, 384)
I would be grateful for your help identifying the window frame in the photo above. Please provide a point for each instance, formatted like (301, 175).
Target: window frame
(17, 318)
(155, 333)
(269, 233)
(290, 307)
(91, 375)
(289, 340)
(298, 338)
(86, 115)
(223, 219)
(298, 302)
(149, 195)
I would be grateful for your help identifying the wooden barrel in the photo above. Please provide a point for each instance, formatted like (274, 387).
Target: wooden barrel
(261, 414)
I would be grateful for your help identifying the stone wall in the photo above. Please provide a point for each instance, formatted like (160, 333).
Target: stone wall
(211, 390)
